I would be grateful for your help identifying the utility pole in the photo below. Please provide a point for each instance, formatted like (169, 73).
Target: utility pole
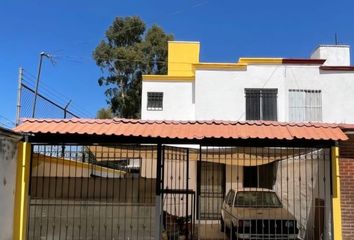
(42, 54)
(19, 89)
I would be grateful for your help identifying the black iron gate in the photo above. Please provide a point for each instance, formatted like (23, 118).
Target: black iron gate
(92, 192)
(178, 199)
(135, 191)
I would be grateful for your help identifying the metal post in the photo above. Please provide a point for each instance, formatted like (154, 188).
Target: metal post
(37, 81)
(19, 88)
(158, 212)
(187, 196)
(66, 108)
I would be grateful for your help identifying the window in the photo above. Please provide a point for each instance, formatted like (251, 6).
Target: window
(154, 100)
(250, 176)
(251, 199)
(261, 104)
(262, 176)
(305, 105)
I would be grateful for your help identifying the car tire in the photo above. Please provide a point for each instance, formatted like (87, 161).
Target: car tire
(222, 225)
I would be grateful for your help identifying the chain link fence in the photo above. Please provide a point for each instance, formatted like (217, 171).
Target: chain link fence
(49, 102)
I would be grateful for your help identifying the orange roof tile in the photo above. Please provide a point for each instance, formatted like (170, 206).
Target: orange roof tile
(184, 129)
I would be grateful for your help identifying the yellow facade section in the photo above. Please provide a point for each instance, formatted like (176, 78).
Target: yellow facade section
(39, 158)
(21, 194)
(222, 66)
(183, 60)
(261, 60)
(181, 56)
(167, 77)
(337, 214)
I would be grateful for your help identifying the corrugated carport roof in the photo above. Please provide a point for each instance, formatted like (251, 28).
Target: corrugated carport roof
(188, 130)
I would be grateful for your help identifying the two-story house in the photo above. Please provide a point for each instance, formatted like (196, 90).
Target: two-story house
(319, 88)
(315, 89)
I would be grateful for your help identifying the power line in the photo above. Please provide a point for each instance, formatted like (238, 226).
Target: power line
(9, 123)
(5, 125)
(50, 92)
(152, 21)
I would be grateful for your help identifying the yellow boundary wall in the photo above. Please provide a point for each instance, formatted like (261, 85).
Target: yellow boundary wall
(21, 194)
(37, 158)
(336, 205)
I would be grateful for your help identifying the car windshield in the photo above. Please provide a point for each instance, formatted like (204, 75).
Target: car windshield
(257, 199)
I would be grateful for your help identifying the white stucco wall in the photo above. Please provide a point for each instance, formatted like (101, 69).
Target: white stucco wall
(220, 94)
(178, 100)
(8, 159)
(337, 91)
(335, 55)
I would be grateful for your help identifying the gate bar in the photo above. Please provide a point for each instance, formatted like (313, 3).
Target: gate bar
(158, 212)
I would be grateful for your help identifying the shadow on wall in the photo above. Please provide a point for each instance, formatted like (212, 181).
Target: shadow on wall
(303, 185)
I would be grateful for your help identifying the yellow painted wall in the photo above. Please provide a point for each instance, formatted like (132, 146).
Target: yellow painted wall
(21, 195)
(337, 214)
(181, 56)
(261, 60)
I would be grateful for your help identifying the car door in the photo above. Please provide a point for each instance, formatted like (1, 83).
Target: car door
(228, 208)
(223, 207)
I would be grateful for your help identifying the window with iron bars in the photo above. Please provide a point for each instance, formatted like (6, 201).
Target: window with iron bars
(155, 101)
(305, 105)
(261, 104)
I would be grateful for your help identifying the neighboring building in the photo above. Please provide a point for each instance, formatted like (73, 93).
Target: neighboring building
(281, 89)
(8, 167)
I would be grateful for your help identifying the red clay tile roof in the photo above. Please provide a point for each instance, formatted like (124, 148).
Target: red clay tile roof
(184, 129)
(347, 126)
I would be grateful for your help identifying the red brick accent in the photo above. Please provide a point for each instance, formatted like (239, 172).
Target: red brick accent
(346, 169)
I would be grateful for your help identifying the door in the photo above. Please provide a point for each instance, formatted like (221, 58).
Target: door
(211, 178)
(177, 196)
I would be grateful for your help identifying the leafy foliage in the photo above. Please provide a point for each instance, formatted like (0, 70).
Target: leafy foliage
(127, 52)
(104, 113)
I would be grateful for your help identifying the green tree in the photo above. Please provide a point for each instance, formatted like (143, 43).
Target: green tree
(127, 52)
(104, 113)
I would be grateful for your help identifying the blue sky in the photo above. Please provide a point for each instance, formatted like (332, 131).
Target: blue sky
(227, 30)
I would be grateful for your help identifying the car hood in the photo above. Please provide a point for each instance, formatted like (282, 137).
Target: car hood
(262, 213)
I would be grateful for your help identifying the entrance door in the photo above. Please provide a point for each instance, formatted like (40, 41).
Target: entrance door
(211, 184)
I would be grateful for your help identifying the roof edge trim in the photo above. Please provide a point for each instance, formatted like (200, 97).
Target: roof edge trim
(167, 77)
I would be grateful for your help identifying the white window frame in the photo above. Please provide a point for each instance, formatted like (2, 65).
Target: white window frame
(154, 106)
(305, 105)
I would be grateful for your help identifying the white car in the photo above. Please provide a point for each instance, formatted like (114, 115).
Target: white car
(256, 213)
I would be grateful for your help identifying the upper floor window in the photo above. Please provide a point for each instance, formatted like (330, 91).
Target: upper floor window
(261, 104)
(154, 100)
(305, 105)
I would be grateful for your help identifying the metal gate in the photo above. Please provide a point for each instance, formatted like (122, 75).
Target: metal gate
(92, 192)
(136, 191)
(270, 193)
(178, 199)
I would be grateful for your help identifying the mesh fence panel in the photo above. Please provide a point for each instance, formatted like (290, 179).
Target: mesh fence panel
(45, 108)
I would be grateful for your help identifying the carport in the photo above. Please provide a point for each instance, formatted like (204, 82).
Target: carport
(120, 178)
